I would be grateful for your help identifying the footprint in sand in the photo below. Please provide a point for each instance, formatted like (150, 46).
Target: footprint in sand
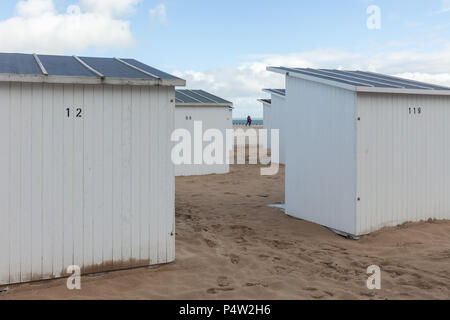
(223, 282)
(234, 259)
(216, 290)
(210, 243)
(256, 284)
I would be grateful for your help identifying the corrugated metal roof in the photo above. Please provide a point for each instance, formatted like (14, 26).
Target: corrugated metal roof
(199, 97)
(149, 69)
(280, 92)
(11, 63)
(362, 79)
(23, 65)
(63, 66)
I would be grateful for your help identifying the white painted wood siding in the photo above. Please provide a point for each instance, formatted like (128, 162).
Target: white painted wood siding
(220, 118)
(267, 121)
(403, 160)
(96, 191)
(321, 154)
(278, 121)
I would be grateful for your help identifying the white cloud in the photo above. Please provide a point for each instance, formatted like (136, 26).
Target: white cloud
(159, 13)
(242, 84)
(34, 8)
(38, 27)
(437, 78)
(445, 6)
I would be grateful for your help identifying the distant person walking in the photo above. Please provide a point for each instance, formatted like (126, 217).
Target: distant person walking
(249, 121)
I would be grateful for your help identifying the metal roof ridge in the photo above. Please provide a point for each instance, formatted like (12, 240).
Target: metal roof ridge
(183, 93)
(209, 98)
(407, 81)
(138, 69)
(40, 64)
(376, 80)
(311, 72)
(182, 101)
(84, 64)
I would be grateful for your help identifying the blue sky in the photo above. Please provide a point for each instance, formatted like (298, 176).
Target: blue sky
(223, 46)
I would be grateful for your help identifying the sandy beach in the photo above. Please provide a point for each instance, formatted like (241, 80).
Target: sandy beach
(231, 245)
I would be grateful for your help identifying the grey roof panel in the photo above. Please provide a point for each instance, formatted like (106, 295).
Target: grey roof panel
(64, 66)
(183, 97)
(311, 73)
(354, 77)
(406, 82)
(195, 94)
(364, 79)
(377, 81)
(16, 63)
(113, 68)
(69, 66)
(149, 69)
(210, 97)
(198, 96)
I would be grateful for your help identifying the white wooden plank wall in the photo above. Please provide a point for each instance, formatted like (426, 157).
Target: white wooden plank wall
(95, 191)
(403, 167)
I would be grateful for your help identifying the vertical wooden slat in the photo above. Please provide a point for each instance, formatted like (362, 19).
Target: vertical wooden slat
(77, 177)
(145, 175)
(15, 182)
(162, 178)
(68, 188)
(26, 232)
(58, 204)
(108, 171)
(153, 179)
(88, 182)
(36, 181)
(170, 172)
(135, 173)
(117, 176)
(48, 214)
(99, 216)
(126, 176)
(5, 130)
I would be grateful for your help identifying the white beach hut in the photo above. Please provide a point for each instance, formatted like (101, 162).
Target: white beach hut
(267, 123)
(213, 113)
(276, 119)
(365, 150)
(86, 177)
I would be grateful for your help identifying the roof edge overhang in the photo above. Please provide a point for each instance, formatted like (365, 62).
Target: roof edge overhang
(90, 80)
(311, 78)
(206, 105)
(264, 102)
(404, 91)
(359, 88)
(274, 93)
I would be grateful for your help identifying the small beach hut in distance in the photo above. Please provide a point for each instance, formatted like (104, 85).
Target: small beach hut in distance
(266, 115)
(277, 118)
(267, 123)
(365, 150)
(214, 113)
(86, 176)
